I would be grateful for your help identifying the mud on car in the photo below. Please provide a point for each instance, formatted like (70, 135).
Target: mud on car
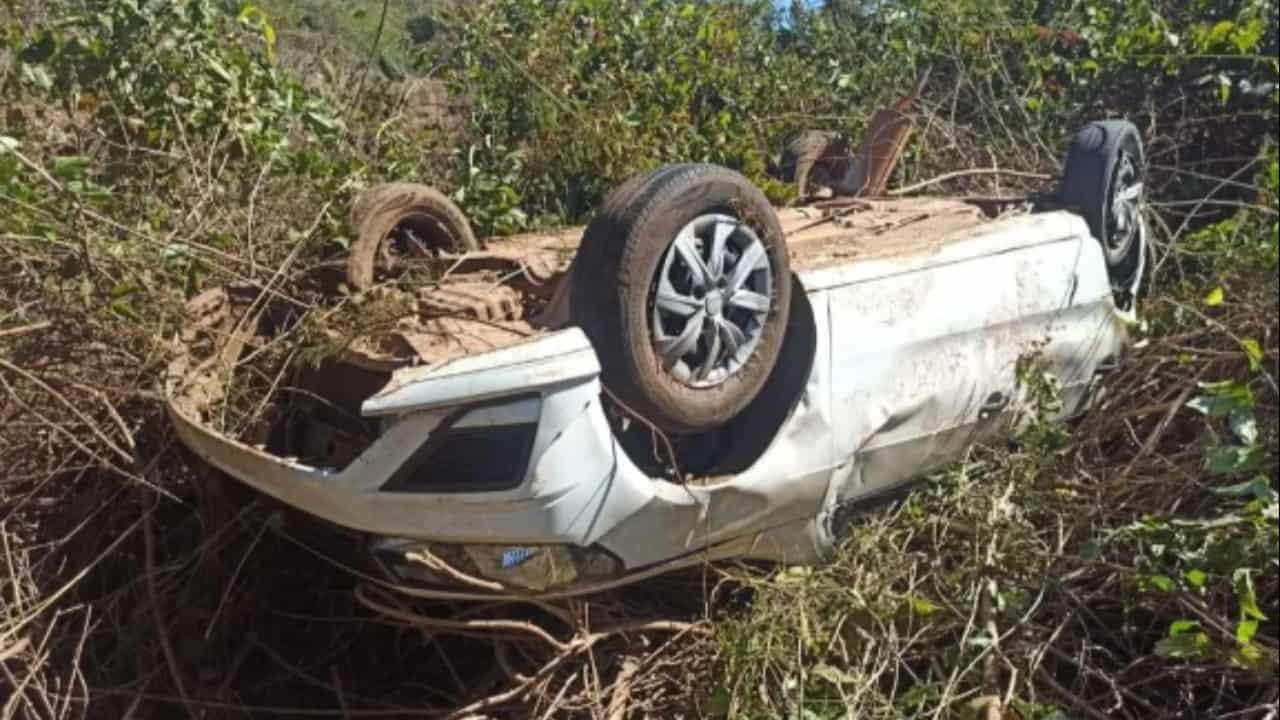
(695, 375)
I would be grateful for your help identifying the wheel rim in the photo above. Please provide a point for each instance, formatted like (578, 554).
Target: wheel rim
(1123, 216)
(710, 300)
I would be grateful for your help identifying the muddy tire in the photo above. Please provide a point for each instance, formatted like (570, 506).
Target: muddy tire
(683, 286)
(1102, 179)
(809, 157)
(402, 219)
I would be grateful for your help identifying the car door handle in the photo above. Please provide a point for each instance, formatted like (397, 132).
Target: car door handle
(996, 402)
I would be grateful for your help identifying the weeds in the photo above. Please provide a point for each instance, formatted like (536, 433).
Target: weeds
(150, 149)
(1102, 573)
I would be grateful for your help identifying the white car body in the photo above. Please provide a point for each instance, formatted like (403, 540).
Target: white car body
(911, 358)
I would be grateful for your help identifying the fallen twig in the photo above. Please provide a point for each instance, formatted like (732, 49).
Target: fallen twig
(25, 329)
(966, 173)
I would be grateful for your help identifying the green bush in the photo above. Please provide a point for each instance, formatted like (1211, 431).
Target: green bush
(588, 92)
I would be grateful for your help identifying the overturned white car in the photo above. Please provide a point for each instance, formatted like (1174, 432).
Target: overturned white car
(696, 376)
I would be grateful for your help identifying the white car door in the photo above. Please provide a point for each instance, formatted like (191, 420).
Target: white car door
(925, 349)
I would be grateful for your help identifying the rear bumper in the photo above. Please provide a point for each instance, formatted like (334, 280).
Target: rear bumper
(582, 517)
(558, 371)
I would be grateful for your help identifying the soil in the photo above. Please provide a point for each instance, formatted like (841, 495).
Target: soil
(818, 236)
(874, 229)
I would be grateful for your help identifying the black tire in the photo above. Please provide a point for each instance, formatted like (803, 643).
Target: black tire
(381, 213)
(812, 156)
(615, 277)
(1104, 159)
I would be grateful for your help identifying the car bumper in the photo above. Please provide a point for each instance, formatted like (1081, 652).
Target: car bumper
(580, 516)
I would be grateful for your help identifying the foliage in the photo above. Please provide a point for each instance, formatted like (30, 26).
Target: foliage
(590, 92)
(152, 148)
(1064, 567)
(1250, 237)
(353, 25)
(158, 109)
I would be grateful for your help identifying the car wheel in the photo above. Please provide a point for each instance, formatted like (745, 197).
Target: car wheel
(399, 221)
(809, 157)
(1103, 179)
(682, 283)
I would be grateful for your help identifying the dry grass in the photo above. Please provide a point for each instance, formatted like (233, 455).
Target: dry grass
(136, 582)
(1021, 580)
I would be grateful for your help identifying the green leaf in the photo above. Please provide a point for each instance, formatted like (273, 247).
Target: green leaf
(1181, 627)
(1249, 609)
(1186, 645)
(1245, 630)
(1215, 297)
(1253, 350)
(1247, 655)
(176, 251)
(1195, 577)
(1163, 583)
(219, 70)
(69, 167)
(1222, 398)
(922, 607)
(123, 308)
(123, 290)
(915, 696)
(1259, 487)
(251, 15)
(1232, 459)
(1244, 425)
(1221, 31)
(1246, 38)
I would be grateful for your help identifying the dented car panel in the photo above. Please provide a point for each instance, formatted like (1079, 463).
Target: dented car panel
(915, 356)
(930, 353)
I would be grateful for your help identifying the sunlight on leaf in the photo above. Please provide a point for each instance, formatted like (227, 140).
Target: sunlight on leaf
(252, 15)
(1244, 425)
(1253, 350)
(922, 607)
